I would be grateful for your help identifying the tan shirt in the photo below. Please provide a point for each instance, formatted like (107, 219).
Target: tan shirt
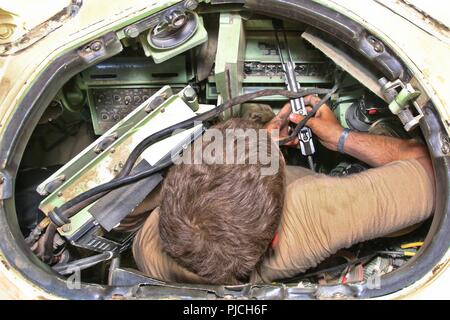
(321, 215)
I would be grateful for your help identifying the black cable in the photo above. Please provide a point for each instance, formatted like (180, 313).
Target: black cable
(209, 115)
(86, 198)
(77, 203)
(310, 115)
(331, 269)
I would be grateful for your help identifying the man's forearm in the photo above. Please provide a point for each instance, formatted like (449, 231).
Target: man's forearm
(377, 150)
(374, 150)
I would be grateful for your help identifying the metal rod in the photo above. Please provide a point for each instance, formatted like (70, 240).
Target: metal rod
(307, 147)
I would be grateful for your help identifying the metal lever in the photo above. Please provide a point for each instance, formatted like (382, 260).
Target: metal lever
(298, 105)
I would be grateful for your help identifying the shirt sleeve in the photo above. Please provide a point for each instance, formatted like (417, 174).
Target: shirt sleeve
(323, 214)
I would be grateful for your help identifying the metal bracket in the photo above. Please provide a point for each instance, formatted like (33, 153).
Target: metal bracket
(134, 30)
(401, 101)
(53, 185)
(106, 142)
(6, 188)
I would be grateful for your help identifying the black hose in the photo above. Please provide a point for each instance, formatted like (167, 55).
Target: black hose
(310, 115)
(209, 115)
(86, 198)
(65, 211)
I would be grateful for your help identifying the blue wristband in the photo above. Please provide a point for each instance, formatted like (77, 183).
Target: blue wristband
(342, 138)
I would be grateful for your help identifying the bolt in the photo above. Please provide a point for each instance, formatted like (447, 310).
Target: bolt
(96, 45)
(60, 194)
(445, 147)
(177, 19)
(112, 150)
(378, 47)
(190, 4)
(66, 228)
(190, 94)
(132, 31)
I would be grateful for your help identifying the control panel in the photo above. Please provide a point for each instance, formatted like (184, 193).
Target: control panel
(111, 105)
(117, 86)
(257, 63)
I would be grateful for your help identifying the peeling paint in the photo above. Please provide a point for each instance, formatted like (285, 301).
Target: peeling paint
(438, 25)
(6, 264)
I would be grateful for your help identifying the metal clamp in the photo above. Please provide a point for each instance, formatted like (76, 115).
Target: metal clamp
(400, 102)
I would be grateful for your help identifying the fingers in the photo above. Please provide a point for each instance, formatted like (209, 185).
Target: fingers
(285, 112)
(311, 100)
(292, 143)
(296, 118)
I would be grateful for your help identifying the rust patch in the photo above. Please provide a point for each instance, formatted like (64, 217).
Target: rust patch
(437, 268)
(427, 18)
(6, 264)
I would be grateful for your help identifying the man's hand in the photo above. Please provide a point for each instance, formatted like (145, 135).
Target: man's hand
(324, 124)
(281, 123)
(374, 150)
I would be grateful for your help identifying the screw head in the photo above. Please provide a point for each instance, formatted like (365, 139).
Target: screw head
(96, 45)
(132, 32)
(378, 47)
(66, 228)
(445, 148)
(190, 94)
(191, 4)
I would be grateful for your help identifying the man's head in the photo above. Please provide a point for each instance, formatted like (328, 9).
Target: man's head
(217, 220)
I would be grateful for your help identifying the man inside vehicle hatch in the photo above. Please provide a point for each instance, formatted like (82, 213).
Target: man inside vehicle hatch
(229, 224)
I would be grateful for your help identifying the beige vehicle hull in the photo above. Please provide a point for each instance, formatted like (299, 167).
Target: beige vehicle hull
(423, 47)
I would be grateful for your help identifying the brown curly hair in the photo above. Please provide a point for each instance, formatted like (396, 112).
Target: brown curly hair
(218, 220)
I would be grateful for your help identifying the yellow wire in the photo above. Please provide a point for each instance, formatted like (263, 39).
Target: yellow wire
(409, 254)
(411, 245)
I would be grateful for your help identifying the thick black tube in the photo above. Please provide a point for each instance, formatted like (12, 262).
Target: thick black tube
(209, 115)
(310, 115)
(88, 197)
(123, 178)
